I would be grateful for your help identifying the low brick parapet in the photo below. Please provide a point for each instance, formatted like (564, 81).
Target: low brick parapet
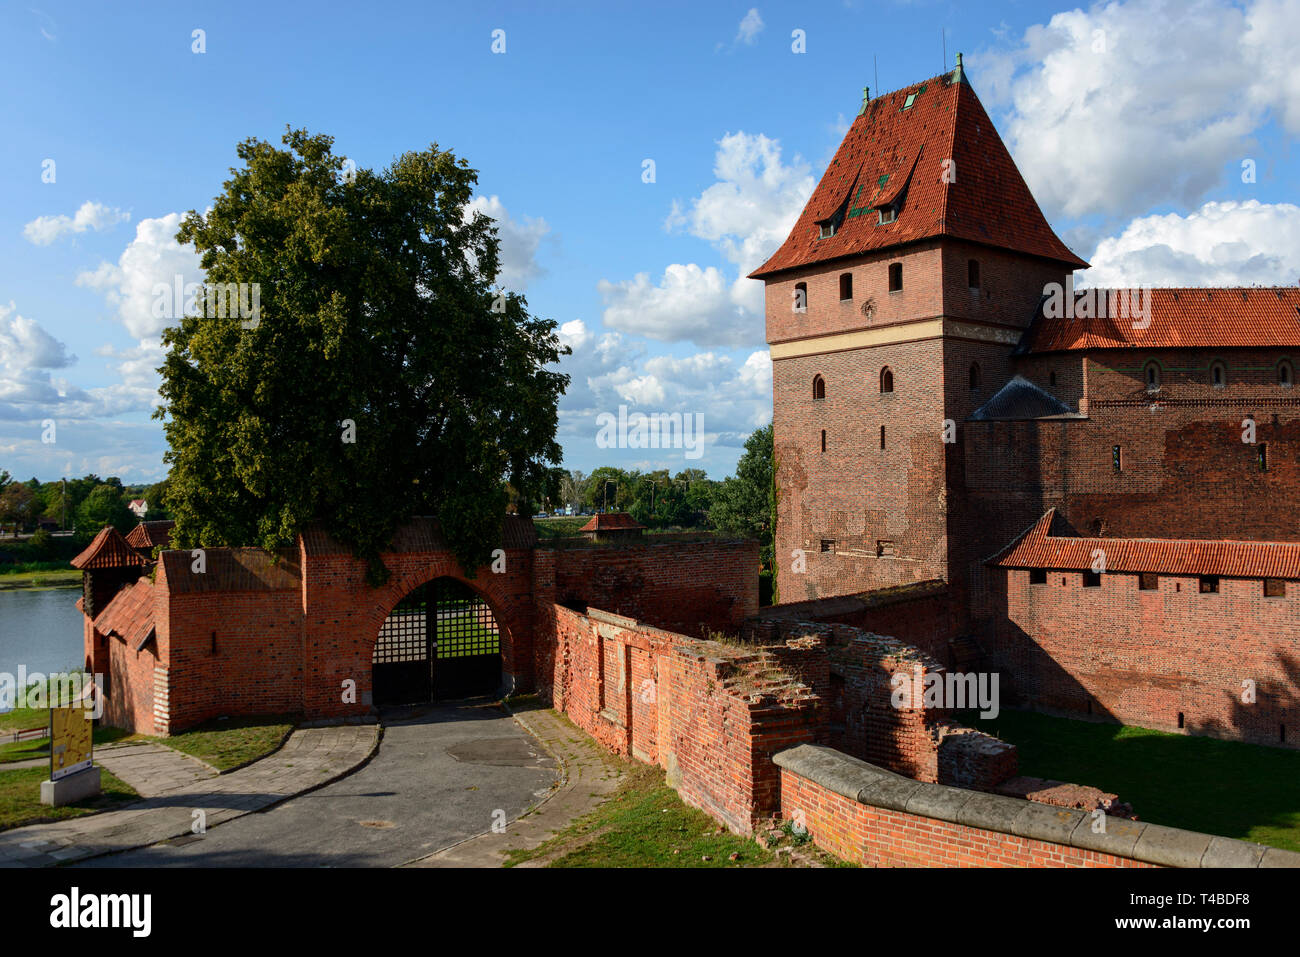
(877, 818)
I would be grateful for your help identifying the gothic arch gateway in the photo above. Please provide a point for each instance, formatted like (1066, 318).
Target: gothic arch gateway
(441, 640)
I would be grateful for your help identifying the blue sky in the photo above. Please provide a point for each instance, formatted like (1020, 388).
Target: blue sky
(1130, 120)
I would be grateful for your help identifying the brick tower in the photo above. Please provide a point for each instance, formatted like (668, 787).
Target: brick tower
(892, 308)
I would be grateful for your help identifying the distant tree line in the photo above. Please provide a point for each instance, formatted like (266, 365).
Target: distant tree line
(84, 505)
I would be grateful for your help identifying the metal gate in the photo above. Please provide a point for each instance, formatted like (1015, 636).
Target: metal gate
(440, 641)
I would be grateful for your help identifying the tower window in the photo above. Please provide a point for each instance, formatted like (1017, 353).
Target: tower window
(1038, 576)
(974, 376)
(1285, 374)
(1091, 579)
(846, 286)
(1218, 375)
(1274, 588)
(973, 273)
(1148, 581)
(1209, 584)
(1261, 455)
(886, 380)
(823, 440)
(1116, 458)
(1153, 377)
(895, 277)
(800, 297)
(819, 387)
(882, 436)
(1181, 720)
(1051, 378)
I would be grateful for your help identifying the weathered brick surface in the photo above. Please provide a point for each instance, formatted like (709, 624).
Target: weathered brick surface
(881, 837)
(1144, 657)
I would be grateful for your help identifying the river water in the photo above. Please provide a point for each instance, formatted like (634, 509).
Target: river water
(40, 629)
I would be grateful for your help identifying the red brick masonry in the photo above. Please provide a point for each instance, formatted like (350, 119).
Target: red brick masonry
(872, 817)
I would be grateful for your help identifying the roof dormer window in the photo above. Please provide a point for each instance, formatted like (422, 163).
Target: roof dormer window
(888, 214)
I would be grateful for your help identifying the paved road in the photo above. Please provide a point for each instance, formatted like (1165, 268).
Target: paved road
(440, 775)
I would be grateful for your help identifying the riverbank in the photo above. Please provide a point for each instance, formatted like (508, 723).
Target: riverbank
(51, 578)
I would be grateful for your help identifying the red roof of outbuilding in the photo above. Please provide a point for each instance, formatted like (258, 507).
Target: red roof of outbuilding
(108, 549)
(611, 522)
(146, 535)
(1187, 318)
(129, 615)
(889, 151)
(1038, 548)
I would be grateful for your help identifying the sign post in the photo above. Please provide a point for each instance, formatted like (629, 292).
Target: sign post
(73, 775)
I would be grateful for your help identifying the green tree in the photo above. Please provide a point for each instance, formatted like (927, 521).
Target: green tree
(383, 376)
(608, 487)
(104, 506)
(746, 504)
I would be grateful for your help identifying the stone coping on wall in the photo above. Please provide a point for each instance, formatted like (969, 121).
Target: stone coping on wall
(867, 784)
(819, 608)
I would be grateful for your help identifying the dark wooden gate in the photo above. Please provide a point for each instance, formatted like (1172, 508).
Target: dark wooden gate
(440, 641)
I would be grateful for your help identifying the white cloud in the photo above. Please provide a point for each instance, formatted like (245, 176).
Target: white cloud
(745, 215)
(1220, 244)
(44, 230)
(751, 25)
(153, 257)
(1131, 104)
(519, 241)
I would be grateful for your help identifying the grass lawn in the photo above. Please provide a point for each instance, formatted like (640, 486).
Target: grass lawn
(25, 750)
(233, 742)
(1245, 791)
(645, 824)
(19, 719)
(20, 798)
(34, 576)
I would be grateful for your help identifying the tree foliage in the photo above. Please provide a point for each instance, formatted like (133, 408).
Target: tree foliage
(747, 503)
(377, 309)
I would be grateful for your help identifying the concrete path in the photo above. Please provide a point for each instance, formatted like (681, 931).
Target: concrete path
(442, 774)
(589, 777)
(310, 758)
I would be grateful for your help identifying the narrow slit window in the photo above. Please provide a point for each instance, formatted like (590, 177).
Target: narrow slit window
(1218, 375)
(886, 379)
(1153, 377)
(1116, 458)
(895, 277)
(1285, 374)
(823, 440)
(974, 376)
(800, 297)
(882, 436)
(819, 387)
(1261, 456)
(846, 286)
(973, 273)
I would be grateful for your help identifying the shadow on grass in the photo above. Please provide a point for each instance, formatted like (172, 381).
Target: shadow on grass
(1246, 791)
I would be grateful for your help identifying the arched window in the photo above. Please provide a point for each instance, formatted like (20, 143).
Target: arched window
(1285, 374)
(895, 277)
(1218, 375)
(1152, 376)
(886, 380)
(974, 374)
(819, 387)
(846, 286)
(800, 297)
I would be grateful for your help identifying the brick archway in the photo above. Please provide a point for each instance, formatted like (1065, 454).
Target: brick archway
(342, 616)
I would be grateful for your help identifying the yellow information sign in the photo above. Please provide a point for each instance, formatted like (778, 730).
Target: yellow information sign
(70, 741)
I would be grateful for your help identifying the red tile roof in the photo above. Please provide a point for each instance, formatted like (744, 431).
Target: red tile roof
(129, 615)
(147, 535)
(611, 522)
(1180, 318)
(421, 534)
(231, 569)
(108, 549)
(889, 149)
(1038, 548)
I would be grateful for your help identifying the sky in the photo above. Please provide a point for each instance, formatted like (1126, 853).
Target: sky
(640, 160)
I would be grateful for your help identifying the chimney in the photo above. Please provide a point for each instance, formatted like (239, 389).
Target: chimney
(959, 74)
